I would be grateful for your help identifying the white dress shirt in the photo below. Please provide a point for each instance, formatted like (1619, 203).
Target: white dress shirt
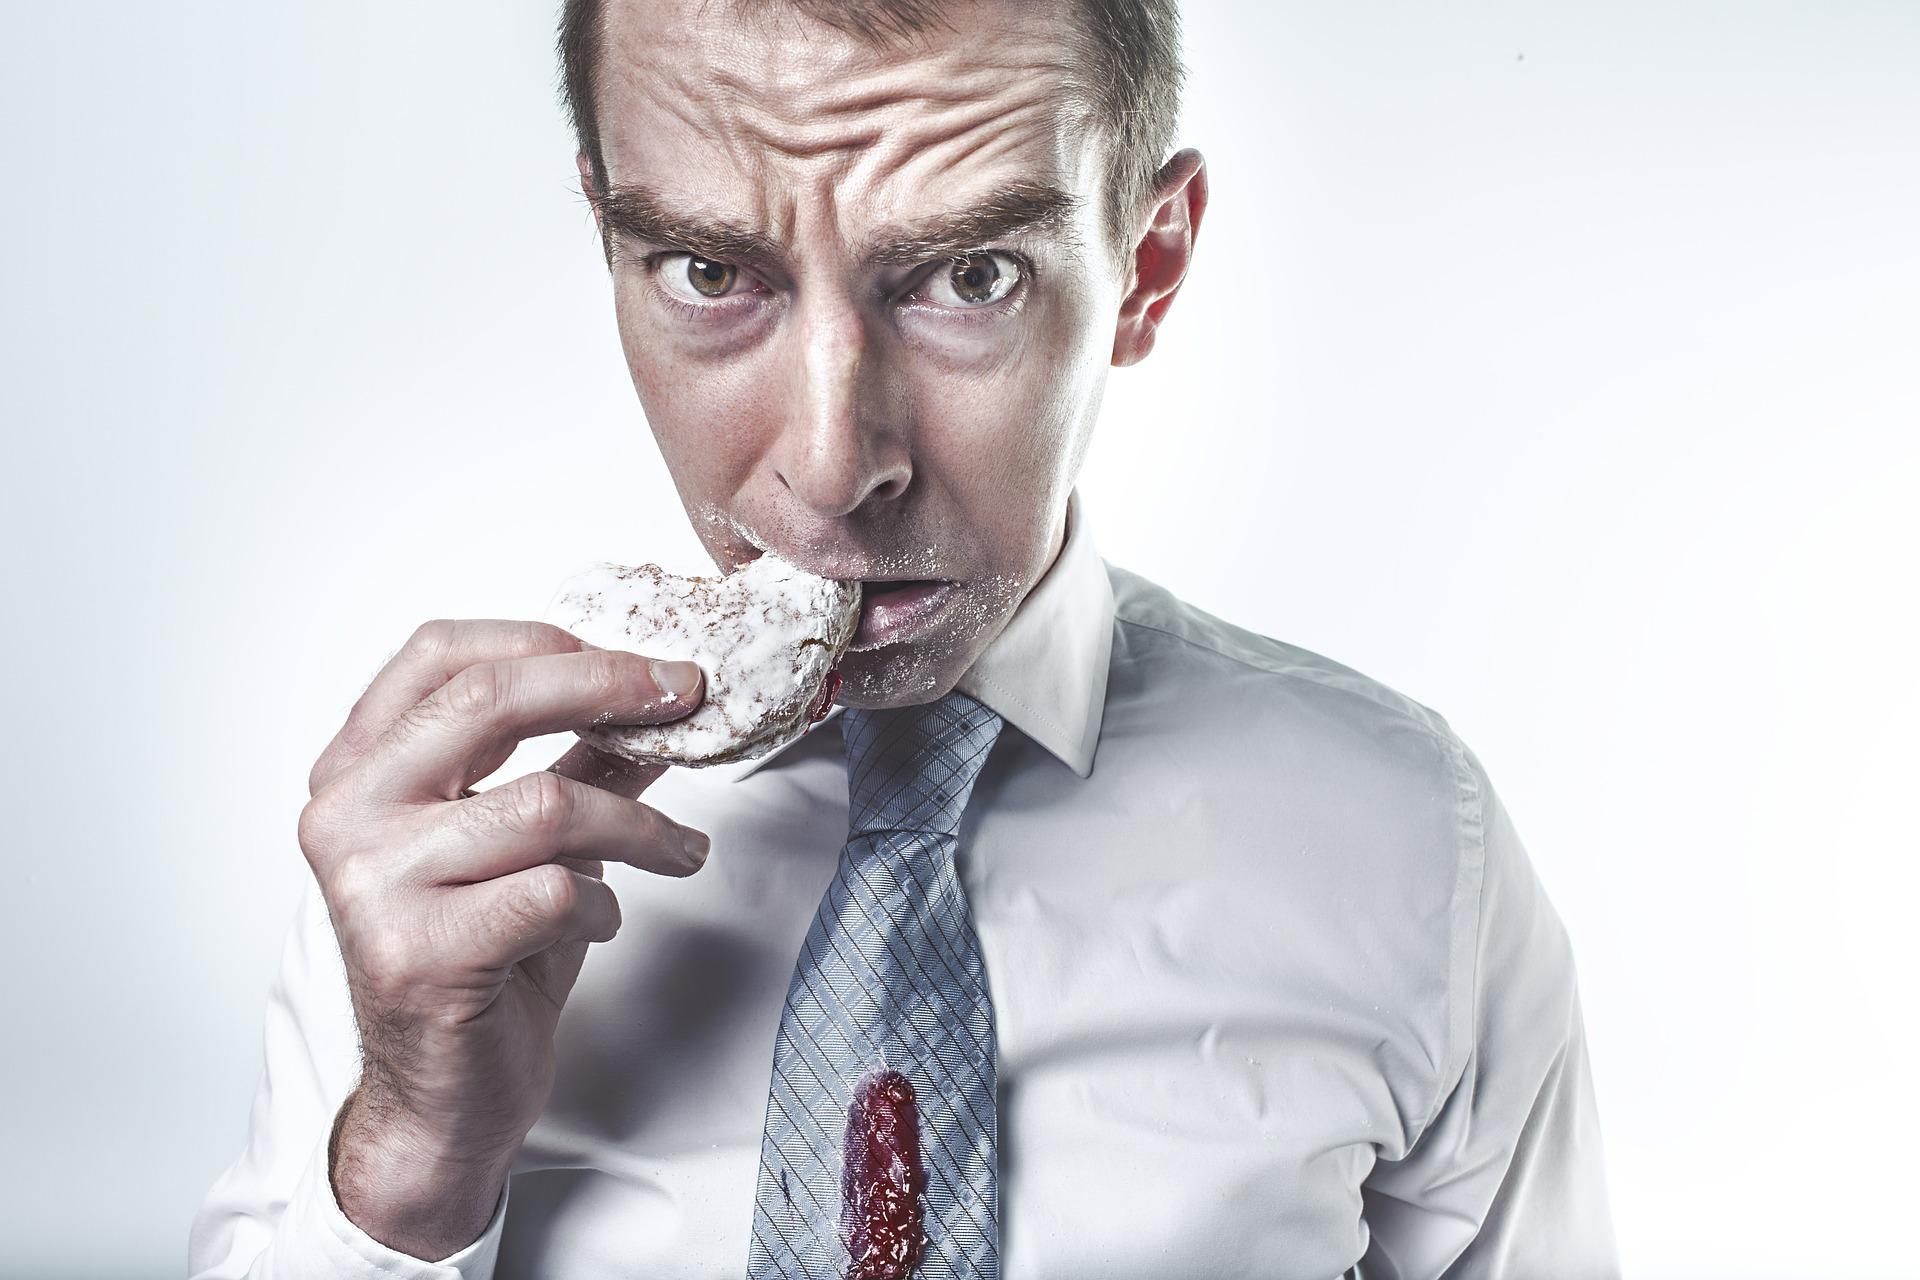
(1276, 990)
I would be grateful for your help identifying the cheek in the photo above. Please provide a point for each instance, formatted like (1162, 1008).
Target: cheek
(709, 417)
(1006, 435)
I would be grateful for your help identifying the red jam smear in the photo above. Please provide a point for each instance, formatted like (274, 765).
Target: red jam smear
(825, 704)
(882, 1180)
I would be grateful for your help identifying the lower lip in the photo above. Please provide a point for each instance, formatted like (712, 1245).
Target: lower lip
(887, 617)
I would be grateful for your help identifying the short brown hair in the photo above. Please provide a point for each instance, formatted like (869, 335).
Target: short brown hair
(1130, 78)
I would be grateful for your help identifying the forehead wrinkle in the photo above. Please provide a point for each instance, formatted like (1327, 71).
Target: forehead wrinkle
(938, 155)
(825, 129)
(828, 71)
(687, 80)
(839, 134)
(814, 69)
(800, 99)
(656, 85)
(929, 148)
(943, 83)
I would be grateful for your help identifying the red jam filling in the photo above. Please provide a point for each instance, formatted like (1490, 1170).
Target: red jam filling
(882, 1180)
(827, 690)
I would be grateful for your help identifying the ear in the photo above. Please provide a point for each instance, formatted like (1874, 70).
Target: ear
(1161, 255)
(587, 189)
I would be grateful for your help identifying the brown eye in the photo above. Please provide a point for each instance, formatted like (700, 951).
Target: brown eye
(975, 280)
(711, 279)
(703, 282)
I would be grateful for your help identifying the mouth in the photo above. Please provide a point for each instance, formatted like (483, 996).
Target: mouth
(892, 610)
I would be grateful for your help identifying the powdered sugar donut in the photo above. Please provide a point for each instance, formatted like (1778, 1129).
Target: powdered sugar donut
(767, 635)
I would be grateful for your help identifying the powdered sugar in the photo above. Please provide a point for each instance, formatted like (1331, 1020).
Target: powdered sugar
(766, 636)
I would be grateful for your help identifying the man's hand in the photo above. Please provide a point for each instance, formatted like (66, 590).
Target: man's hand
(463, 920)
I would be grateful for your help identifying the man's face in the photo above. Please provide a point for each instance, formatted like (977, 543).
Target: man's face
(824, 379)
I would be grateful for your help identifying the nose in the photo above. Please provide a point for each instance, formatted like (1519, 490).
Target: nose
(837, 449)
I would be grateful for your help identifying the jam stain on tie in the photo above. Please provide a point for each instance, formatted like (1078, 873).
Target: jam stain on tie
(882, 1180)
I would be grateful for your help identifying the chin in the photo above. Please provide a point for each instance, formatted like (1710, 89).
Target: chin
(925, 668)
(906, 674)
(896, 675)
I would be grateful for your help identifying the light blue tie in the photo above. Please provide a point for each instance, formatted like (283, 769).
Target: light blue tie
(888, 979)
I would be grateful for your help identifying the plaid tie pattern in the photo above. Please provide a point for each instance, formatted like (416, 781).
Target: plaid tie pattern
(889, 977)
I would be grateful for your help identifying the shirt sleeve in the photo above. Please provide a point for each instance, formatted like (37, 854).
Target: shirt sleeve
(1506, 1181)
(271, 1215)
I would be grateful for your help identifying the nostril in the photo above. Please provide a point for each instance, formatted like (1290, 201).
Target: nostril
(836, 477)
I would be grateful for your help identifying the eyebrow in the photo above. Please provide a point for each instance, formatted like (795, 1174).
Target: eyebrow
(1020, 208)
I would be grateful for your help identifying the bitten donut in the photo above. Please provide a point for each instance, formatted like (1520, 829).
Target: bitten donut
(768, 636)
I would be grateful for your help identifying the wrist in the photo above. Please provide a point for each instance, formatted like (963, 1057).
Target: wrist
(407, 1190)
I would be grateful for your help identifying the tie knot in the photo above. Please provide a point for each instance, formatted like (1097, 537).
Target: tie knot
(912, 768)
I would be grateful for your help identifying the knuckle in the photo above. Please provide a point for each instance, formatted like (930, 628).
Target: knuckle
(608, 673)
(476, 692)
(527, 639)
(542, 805)
(385, 958)
(357, 734)
(436, 635)
(354, 885)
(316, 827)
(554, 892)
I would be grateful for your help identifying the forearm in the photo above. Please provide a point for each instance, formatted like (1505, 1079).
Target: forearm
(403, 1191)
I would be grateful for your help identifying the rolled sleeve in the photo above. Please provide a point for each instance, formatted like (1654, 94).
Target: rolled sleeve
(271, 1214)
(317, 1240)
(1507, 1179)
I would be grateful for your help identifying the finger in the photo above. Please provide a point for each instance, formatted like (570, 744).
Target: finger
(469, 726)
(585, 866)
(432, 655)
(603, 769)
(528, 821)
(497, 923)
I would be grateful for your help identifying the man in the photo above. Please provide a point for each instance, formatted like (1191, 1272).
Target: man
(1264, 981)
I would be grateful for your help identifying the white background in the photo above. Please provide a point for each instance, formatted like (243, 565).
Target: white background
(1553, 364)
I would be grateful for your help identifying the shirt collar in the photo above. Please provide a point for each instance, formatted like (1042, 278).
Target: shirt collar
(1046, 672)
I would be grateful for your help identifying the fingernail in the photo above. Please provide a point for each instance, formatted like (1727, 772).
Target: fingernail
(677, 679)
(695, 845)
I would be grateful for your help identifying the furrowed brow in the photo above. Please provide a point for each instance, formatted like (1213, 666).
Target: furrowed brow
(1022, 208)
(638, 214)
